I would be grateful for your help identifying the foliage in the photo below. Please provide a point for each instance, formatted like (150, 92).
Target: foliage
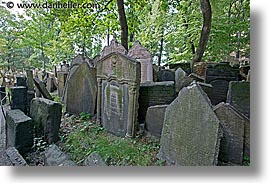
(88, 137)
(169, 29)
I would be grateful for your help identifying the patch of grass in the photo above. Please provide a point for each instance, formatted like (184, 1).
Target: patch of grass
(88, 137)
(246, 161)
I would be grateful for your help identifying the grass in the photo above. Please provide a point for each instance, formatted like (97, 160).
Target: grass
(88, 137)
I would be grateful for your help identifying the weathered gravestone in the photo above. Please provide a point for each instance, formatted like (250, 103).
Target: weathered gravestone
(55, 157)
(166, 75)
(11, 157)
(190, 134)
(61, 79)
(219, 75)
(233, 126)
(156, 93)
(94, 159)
(81, 88)
(142, 55)
(154, 119)
(184, 66)
(239, 96)
(114, 47)
(179, 78)
(155, 72)
(50, 83)
(118, 80)
(19, 98)
(46, 115)
(42, 89)
(19, 131)
(30, 82)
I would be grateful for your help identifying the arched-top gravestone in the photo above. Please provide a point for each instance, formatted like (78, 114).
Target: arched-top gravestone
(113, 47)
(81, 87)
(118, 80)
(142, 55)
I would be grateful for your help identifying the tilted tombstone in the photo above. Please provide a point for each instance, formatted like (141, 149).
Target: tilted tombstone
(219, 75)
(118, 78)
(190, 134)
(81, 87)
(166, 75)
(145, 58)
(3, 94)
(179, 78)
(239, 96)
(233, 126)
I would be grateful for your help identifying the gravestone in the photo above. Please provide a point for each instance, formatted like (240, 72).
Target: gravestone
(166, 75)
(190, 134)
(155, 72)
(151, 94)
(3, 94)
(179, 77)
(19, 98)
(207, 88)
(94, 159)
(81, 88)
(233, 125)
(11, 157)
(118, 78)
(154, 119)
(42, 89)
(53, 156)
(19, 131)
(184, 66)
(30, 83)
(145, 58)
(239, 96)
(196, 77)
(21, 80)
(114, 47)
(46, 115)
(219, 75)
(61, 79)
(50, 84)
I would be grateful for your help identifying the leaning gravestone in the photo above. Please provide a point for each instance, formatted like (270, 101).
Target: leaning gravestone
(3, 94)
(118, 78)
(11, 157)
(46, 115)
(145, 58)
(42, 89)
(239, 96)
(219, 75)
(166, 75)
(19, 131)
(81, 88)
(190, 134)
(232, 142)
(179, 78)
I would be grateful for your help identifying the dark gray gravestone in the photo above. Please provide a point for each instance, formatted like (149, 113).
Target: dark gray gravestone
(219, 75)
(154, 119)
(166, 75)
(21, 80)
(190, 134)
(3, 94)
(55, 157)
(19, 131)
(11, 157)
(118, 79)
(239, 96)
(19, 98)
(46, 115)
(81, 90)
(233, 125)
(157, 93)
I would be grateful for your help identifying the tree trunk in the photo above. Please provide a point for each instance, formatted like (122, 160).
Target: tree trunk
(160, 51)
(205, 32)
(123, 24)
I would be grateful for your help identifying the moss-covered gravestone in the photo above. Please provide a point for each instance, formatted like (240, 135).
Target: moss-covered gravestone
(81, 87)
(118, 78)
(190, 134)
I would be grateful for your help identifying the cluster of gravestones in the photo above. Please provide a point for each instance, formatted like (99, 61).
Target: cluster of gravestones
(199, 119)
